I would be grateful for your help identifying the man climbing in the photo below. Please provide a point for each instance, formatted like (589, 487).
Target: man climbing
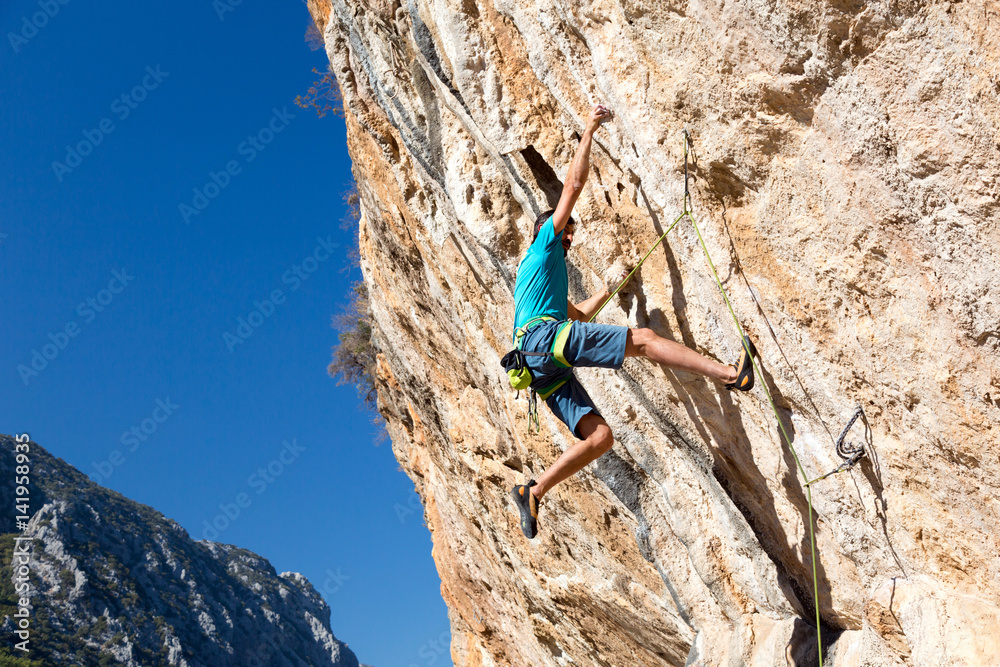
(546, 322)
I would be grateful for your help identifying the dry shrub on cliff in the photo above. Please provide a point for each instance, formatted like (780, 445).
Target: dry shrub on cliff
(324, 95)
(354, 355)
(352, 206)
(350, 221)
(314, 38)
(319, 12)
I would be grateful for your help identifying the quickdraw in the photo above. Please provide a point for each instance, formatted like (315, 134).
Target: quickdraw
(849, 454)
(397, 70)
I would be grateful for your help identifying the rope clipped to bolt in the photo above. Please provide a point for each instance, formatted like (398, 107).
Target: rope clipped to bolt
(849, 454)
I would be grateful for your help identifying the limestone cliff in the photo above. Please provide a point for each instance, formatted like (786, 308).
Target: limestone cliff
(845, 176)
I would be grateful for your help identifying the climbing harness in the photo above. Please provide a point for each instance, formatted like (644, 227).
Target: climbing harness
(850, 454)
(519, 374)
(516, 365)
(689, 214)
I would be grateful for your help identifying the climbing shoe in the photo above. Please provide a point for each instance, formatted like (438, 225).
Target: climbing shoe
(744, 370)
(528, 506)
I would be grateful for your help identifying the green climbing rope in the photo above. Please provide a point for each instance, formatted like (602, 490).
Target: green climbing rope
(688, 213)
(637, 266)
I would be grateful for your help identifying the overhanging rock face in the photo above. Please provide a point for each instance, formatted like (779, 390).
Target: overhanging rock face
(845, 177)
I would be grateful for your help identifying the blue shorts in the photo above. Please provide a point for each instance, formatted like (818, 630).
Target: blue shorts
(589, 345)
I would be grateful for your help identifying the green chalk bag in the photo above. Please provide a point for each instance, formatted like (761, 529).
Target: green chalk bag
(517, 369)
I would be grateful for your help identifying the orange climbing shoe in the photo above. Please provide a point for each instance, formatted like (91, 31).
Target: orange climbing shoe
(528, 506)
(744, 370)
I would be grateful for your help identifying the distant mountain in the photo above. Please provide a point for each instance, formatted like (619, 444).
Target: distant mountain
(115, 582)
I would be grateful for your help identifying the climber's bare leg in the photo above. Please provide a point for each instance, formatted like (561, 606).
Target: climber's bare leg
(597, 439)
(645, 343)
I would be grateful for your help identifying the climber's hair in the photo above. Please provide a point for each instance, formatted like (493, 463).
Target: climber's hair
(540, 220)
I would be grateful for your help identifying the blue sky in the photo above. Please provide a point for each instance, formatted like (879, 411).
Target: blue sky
(116, 114)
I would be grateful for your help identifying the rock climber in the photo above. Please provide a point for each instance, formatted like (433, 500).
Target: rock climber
(546, 322)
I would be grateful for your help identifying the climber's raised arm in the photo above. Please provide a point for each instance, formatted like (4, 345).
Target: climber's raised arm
(578, 171)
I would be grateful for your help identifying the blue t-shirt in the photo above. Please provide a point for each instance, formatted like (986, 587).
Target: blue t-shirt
(542, 287)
